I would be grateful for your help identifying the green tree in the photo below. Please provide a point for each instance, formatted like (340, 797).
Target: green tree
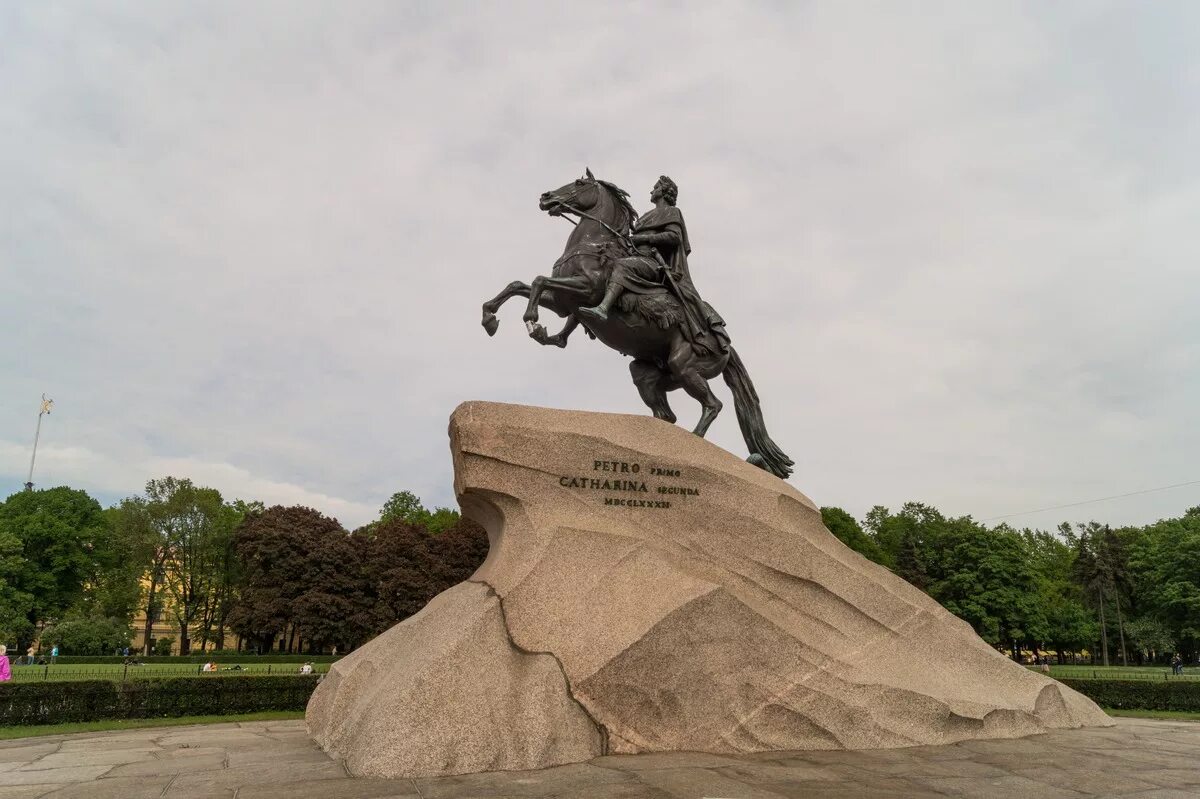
(403, 505)
(182, 534)
(987, 578)
(1090, 574)
(113, 590)
(848, 531)
(1150, 637)
(406, 507)
(906, 538)
(16, 606)
(1164, 563)
(135, 522)
(1069, 624)
(59, 531)
(1115, 560)
(882, 527)
(1101, 569)
(220, 600)
(89, 636)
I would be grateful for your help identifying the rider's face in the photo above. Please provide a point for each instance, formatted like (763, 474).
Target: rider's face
(656, 193)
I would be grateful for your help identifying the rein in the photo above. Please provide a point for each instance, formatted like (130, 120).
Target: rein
(593, 247)
(572, 209)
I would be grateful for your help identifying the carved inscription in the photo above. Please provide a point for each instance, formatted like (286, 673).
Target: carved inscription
(624, 482)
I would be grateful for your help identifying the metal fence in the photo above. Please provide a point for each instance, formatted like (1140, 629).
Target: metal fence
(121, 673)
(1159, 673)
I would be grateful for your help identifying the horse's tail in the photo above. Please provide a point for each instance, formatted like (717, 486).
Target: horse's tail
(764, 452)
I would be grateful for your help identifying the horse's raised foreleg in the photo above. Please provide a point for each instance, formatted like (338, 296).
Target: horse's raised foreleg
(579, 286)
(513, 289)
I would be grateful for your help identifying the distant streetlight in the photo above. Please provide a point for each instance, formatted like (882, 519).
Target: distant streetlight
(47, 405)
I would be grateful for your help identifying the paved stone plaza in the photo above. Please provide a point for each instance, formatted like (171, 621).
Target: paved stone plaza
(1138, 758)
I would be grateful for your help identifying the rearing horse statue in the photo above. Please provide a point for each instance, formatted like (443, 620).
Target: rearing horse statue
(647, 327)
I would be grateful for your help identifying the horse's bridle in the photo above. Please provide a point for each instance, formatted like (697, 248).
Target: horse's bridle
(579, 211)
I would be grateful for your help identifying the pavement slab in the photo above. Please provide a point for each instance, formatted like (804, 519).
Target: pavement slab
(26, 753)
(89, 757)
(548, 782)
(27, 791)
(344, 788)
(113, 788)
(1138, 759)
(53, 775)
(170, 766)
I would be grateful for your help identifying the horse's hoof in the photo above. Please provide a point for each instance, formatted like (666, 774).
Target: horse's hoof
(538, 333)
(757, 460)
(490, 323)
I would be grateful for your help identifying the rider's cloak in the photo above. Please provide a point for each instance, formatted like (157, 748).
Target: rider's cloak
(640, 277)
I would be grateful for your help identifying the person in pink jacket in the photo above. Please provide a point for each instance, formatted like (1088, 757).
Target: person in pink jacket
(5, 671)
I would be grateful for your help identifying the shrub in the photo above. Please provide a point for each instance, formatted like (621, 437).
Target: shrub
(1140, 694)
(52, 703)
(89, 636)
(95, 700)
(162, 646)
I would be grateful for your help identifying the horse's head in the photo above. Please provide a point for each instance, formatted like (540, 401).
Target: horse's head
(597, 197)
(582, 194)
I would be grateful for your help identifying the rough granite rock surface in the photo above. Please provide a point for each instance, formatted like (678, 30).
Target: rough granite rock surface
(648, 591)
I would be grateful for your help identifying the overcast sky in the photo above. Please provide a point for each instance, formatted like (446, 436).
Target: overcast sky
(956, 245)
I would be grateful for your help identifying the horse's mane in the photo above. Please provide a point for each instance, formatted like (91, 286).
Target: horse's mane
(628, 213)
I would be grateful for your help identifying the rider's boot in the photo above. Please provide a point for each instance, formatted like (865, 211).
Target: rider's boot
(601, 311)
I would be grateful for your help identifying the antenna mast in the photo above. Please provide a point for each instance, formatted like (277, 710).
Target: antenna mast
(47, 404)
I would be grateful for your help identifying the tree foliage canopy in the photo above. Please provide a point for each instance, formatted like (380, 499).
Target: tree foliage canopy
(180, 552)
(50, 544)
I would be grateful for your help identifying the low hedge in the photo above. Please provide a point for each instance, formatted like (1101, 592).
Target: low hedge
(1140, 694)
(96, 700)
(245, 657)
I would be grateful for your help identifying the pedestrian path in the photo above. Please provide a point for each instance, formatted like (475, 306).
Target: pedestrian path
(277, 760)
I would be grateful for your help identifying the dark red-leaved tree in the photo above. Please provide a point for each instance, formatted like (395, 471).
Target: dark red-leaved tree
(277, 551)
(407, 565)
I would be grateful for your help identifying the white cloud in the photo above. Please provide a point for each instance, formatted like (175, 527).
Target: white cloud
(109, 479)
(954, 246)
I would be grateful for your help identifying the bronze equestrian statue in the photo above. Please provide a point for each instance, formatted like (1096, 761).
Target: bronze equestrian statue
(625, 278)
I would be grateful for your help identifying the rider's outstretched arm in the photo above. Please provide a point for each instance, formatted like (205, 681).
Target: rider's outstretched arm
(669, 236)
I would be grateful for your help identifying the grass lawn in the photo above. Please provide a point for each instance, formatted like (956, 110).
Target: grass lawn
(1169, 715)
(117, 671)
(130, 724)
(1123, 673)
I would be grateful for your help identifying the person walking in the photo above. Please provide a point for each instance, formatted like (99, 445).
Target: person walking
(5, 671)
(31, 655)
(54, 654)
